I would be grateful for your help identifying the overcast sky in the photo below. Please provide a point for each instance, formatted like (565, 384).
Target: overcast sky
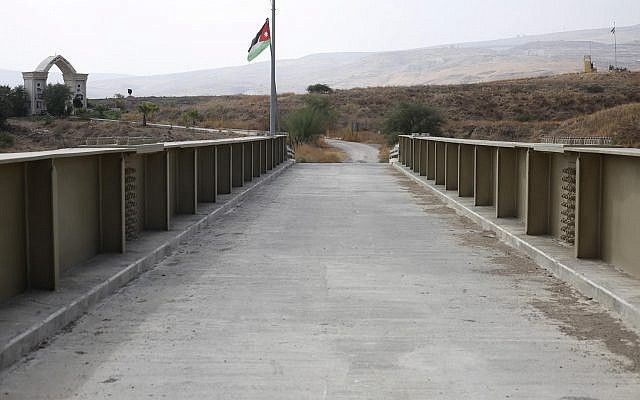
(162, 36)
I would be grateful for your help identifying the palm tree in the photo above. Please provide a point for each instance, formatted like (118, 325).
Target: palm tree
(147, 109)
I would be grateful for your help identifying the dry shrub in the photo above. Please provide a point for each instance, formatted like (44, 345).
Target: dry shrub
(319, 152)
(130, 117)
(62, 126)
(383, 154)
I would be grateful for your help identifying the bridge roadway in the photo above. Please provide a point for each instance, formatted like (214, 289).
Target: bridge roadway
(338, 281)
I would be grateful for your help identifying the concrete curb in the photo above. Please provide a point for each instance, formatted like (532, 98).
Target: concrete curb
(627, 311)
(29, 340)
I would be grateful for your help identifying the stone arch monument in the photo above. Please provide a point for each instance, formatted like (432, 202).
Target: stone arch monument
(36, 81)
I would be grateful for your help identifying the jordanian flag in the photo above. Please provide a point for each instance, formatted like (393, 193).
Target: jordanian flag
(260, 42)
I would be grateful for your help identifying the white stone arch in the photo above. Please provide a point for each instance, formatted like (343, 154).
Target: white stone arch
(59, 61)
(35, 82)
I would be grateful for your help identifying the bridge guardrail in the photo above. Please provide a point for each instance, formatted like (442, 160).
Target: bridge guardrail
(64, 207)
(586, 197)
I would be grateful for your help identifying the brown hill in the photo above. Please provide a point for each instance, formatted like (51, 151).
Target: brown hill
(621, 122)
(604, 104)
(520, 109)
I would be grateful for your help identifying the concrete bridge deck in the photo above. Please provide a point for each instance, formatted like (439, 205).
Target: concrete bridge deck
(339, 281)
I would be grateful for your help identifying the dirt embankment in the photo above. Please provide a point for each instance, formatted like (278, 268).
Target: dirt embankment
(48, 134)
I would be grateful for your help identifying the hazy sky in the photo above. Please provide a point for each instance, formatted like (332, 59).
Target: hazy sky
(161, 36)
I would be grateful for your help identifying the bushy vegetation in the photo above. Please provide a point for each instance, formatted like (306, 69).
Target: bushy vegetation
(523, 117)
(6, 140)
(319, 88)
(412, 117)
(311, 121)
(191, 117)
(319, 152)
(77, 104)
(18, 101)
(5, 108)
(594, 89)
(13, 103)
(57, 99)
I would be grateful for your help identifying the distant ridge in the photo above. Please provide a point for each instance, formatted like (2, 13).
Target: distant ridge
(525, 56)
(14, 78)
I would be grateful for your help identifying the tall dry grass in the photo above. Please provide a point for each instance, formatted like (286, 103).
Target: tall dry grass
(383, 154)
(622, 123)
(360, 137)
(319, 152)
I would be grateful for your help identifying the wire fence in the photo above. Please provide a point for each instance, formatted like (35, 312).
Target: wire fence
(579, 141)
(119, 140)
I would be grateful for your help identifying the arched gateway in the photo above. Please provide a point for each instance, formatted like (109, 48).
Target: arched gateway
(36, 81)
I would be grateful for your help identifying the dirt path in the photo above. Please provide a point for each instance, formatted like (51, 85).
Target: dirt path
(356, 152)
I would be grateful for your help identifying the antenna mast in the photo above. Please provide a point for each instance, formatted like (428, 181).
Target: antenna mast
(615, 45)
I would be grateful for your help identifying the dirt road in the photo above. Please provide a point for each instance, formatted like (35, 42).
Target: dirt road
(356, 152)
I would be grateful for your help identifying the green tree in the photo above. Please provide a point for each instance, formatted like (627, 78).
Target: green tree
(77, 103)
(319, 88)
(191, 117)
(307, 123)
(412, 117)
(5, 106)
(6, 109)
(147, 109)
(19, 101)
(101, 109)
(13, 102)
(6, 140)
(119, 101)
(57, 98)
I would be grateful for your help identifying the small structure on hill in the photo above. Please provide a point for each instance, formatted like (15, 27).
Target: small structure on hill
(588, 65)
(36, 81)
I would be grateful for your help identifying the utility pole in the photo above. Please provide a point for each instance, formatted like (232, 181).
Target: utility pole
(274, 93)
(615, 46)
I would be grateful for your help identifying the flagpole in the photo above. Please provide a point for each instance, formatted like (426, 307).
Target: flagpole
(274, 94)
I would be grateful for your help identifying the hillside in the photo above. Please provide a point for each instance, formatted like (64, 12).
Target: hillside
(48, 133)
(528, 56)
(606, 104)
(518, 109)
(621, 122)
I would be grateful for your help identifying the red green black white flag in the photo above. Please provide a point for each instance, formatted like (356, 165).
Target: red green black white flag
(260, 42)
